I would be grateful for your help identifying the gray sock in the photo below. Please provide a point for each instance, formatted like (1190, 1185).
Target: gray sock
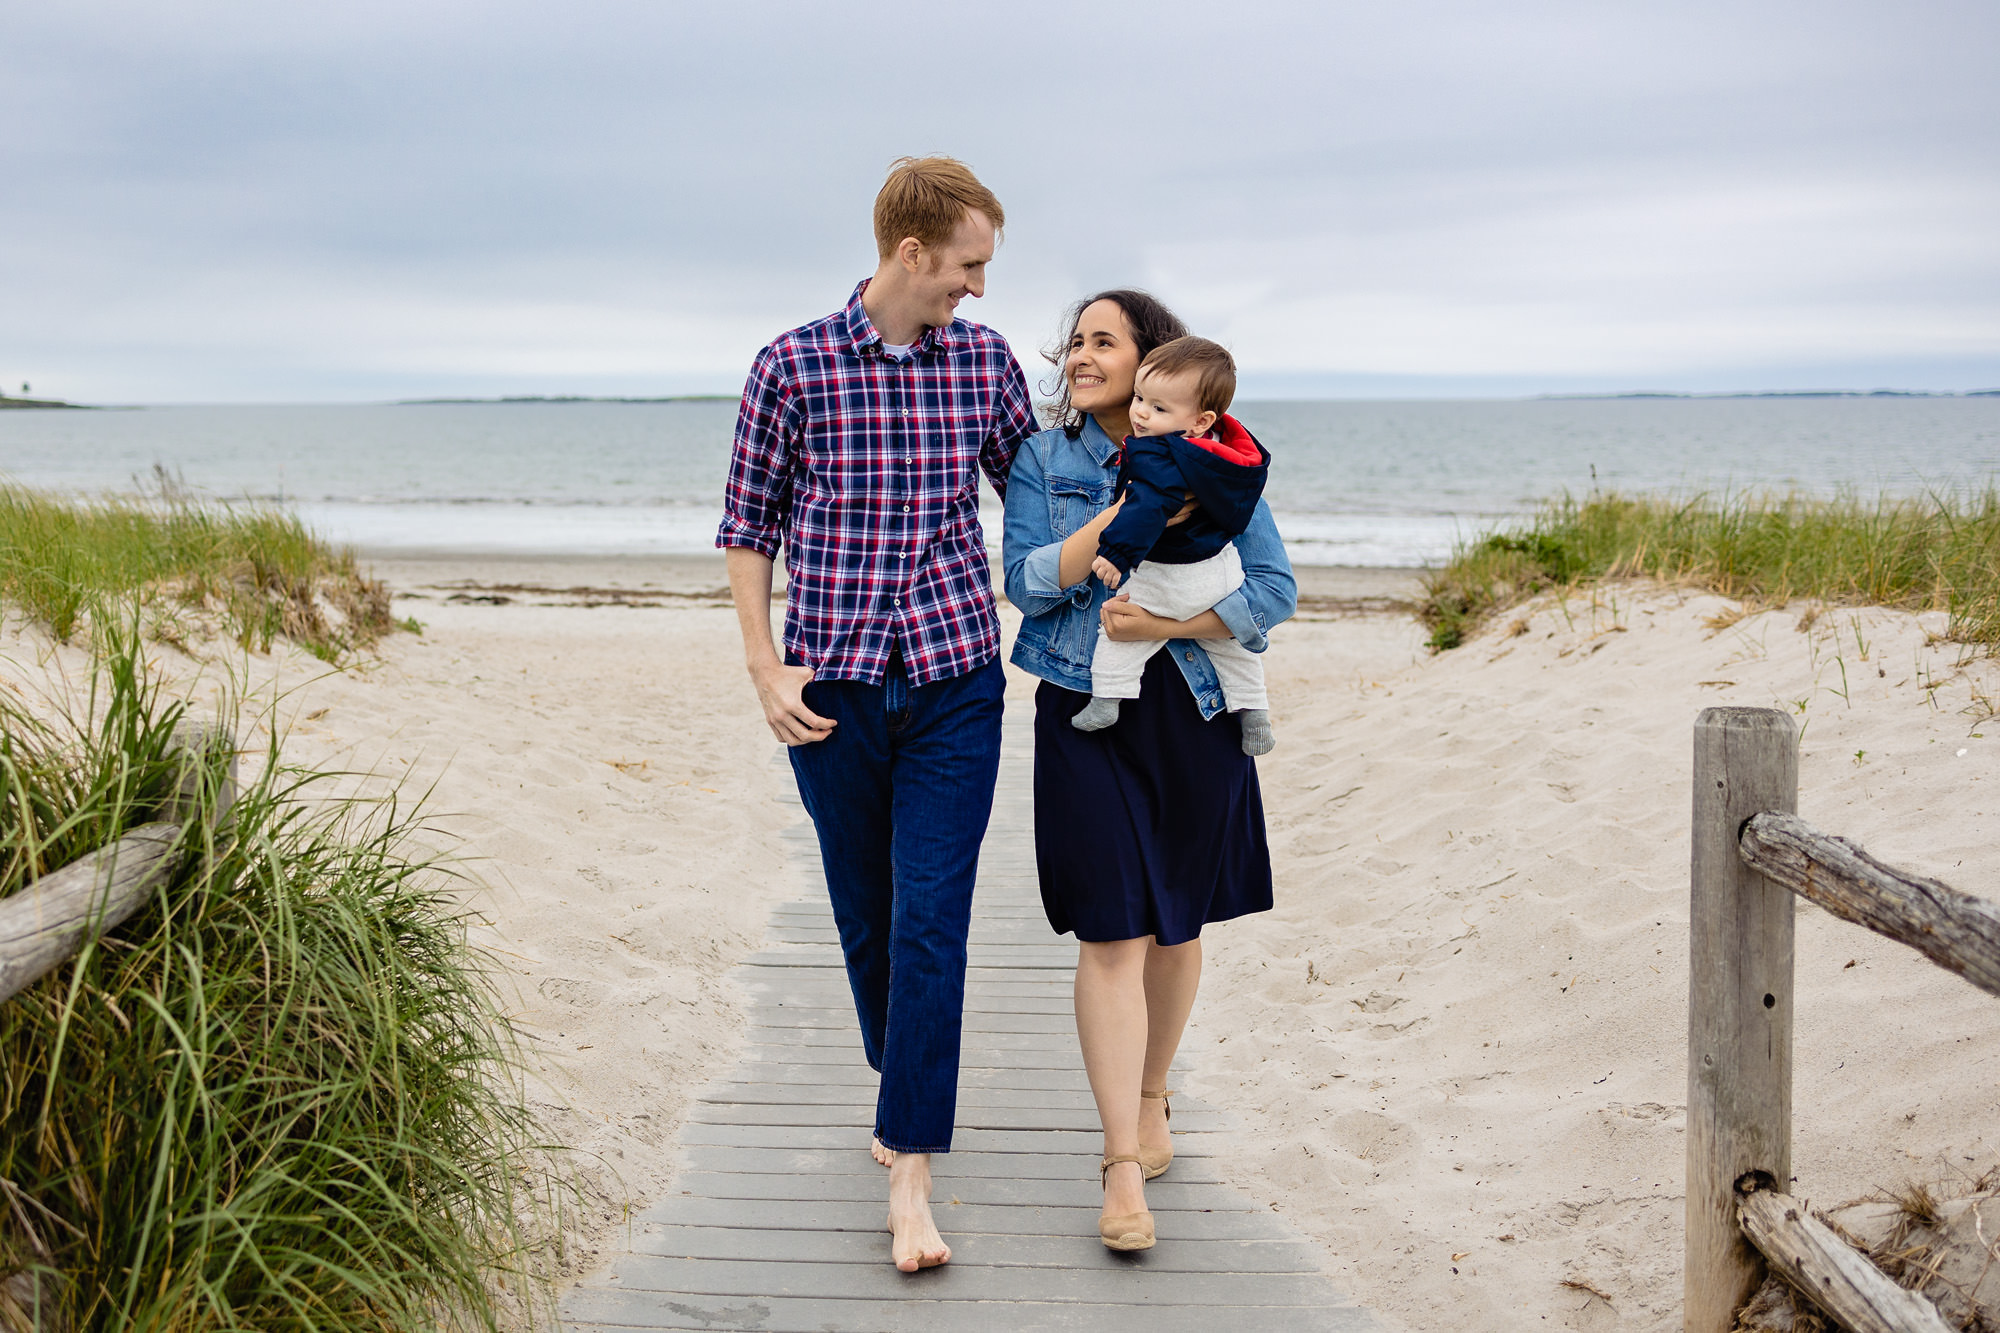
(1096, 715)
(1257, 737)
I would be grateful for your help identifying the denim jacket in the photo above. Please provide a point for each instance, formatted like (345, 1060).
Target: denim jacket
(1058, 485)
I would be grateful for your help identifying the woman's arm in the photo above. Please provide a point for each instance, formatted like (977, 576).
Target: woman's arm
(1080, 547)
(1268, 597)
(1040, 572)
(1126, 623)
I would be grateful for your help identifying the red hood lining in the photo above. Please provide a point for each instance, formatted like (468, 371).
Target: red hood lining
(1232, 443)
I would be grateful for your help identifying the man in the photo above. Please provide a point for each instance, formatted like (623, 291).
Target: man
(858, 449)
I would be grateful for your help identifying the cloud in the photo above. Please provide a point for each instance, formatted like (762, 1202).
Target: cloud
(237, 201)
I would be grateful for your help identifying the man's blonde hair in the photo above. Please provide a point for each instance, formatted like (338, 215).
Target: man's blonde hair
(927, 197)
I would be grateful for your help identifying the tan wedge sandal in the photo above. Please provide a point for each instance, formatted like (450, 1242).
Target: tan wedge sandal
(1154, 1164)
(1124, 1231)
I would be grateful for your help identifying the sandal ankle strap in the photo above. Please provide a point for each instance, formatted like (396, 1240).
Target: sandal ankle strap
(1104, 1167)
(1161, 1096)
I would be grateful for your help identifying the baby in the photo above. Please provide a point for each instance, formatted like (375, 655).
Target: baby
(1183, 448)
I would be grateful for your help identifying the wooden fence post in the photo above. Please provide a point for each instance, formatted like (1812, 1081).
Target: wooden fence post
(1739, 1105)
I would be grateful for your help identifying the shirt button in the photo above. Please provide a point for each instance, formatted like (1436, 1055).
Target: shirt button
(1190, 657)
(906, 509)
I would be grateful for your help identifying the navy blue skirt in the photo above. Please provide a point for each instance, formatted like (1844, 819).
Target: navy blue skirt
(1153, 826)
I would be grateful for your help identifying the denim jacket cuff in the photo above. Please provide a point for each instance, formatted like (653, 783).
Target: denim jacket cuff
(1245, 625)
(1041, 573)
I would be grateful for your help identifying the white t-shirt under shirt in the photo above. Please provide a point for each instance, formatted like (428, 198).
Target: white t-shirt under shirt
(896, 351)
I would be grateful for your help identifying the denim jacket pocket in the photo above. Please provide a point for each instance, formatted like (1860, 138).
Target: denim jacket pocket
(1074, 502)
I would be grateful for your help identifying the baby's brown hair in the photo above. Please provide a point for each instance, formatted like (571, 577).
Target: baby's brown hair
(1211, 364)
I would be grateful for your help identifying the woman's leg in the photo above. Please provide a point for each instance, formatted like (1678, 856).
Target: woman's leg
(1173, 973)
(1111, 1028)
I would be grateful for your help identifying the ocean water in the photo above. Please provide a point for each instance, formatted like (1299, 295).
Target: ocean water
(1352, 483)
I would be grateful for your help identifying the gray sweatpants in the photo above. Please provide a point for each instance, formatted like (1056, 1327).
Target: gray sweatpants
(1180, 592)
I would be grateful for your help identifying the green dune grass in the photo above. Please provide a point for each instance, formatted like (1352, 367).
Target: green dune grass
(259, 572)
(281, 1096)
(1936, 554)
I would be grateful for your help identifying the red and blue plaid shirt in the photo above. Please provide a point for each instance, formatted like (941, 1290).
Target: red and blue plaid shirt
(866, 469)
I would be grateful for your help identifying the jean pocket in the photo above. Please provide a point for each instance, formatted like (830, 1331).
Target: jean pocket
(1073, 503)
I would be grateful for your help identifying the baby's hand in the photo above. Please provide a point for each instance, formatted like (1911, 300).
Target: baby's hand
(1107, 571)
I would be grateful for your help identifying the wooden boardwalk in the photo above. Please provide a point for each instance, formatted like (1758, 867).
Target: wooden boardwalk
(779, 1218)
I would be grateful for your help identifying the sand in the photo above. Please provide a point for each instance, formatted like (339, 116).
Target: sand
(1461, 1035)
(603, 777)
(1458, 1042)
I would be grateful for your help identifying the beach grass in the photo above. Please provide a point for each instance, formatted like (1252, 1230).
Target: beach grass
(1938, 553)
(255, 573)
(281, 1096)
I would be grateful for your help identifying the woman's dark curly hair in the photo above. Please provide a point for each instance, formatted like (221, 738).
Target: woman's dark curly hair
(1151, 323)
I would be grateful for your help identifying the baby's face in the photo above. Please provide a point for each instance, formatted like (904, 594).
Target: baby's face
(1163, 404)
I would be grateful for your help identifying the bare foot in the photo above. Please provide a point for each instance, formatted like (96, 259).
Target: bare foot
(916, 1242)
(886, 1156)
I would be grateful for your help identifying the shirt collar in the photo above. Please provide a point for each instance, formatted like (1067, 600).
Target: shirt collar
(863, 339)
(1102, 447)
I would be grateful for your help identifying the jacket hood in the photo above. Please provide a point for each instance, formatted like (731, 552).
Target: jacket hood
(1235, 444)
(1226, 487)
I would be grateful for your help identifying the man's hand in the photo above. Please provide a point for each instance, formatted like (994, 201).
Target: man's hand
(1107, 571)
(781, 689)
(1186, 510)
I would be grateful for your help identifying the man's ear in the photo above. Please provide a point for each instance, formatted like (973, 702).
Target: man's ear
(910, 254)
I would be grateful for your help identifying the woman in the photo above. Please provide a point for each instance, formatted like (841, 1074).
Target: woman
(1150, 829)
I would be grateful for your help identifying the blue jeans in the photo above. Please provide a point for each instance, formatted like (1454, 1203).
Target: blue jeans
(900, 794)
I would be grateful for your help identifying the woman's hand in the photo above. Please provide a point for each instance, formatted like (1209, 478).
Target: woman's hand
(1125, 623)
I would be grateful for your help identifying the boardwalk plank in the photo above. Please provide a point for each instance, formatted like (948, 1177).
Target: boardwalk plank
(777, 1220)
(1042, 1142)
(1080, 1191)
(969, 1117)
(1137, 1284)
(961, 1164)
(785, 1071)
(997, 1250)
(610, 1310)
(1050, 1222)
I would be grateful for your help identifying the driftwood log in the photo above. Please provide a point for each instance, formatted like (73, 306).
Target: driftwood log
(48, 921)
(1832, 1274)
(45, 923)
(1957, 931)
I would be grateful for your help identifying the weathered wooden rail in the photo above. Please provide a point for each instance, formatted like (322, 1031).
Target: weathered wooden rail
(1751, 854)
(48, 921)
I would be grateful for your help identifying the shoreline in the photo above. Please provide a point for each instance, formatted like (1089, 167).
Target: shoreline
(1322, 588)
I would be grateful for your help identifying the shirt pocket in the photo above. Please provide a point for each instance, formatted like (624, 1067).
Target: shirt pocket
(1073, 502)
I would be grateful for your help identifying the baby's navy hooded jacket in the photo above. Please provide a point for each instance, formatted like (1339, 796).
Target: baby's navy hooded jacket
(1226, 475)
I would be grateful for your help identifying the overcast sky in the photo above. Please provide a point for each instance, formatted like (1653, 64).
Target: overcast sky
(258, 202)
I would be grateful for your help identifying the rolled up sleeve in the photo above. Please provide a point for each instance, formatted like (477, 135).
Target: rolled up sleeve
(1270, 594)
(757, 498)
(1030, 556)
